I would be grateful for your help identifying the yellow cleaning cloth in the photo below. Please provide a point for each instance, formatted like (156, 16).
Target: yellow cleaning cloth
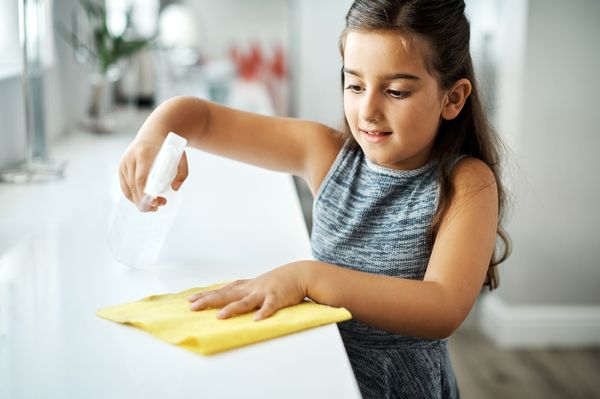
(169, 318)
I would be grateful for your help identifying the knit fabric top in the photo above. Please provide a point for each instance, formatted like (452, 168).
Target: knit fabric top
(374, 219)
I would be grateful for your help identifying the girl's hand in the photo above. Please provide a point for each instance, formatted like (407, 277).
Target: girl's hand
(281, 287)
(135, 167)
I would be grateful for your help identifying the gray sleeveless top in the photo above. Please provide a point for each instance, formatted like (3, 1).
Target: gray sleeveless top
(375, 220)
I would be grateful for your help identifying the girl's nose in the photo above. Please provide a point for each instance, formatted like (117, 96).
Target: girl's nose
(370, 110)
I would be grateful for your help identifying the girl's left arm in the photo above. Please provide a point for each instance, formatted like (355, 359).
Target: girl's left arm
(435, 307)
(431, 309)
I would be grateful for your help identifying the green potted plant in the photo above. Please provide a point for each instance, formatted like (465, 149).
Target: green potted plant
(103, 50)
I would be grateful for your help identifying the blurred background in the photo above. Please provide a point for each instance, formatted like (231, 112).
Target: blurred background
(105, 65)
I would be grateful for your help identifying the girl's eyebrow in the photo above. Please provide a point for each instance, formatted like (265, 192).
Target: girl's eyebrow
(385, 77)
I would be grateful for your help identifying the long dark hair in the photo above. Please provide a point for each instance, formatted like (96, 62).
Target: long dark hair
(443, 24)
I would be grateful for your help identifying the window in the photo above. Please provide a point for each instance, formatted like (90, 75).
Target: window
(10, 49)
(11, 54)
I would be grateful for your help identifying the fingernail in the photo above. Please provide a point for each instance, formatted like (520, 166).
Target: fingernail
(221, 314)
(176, 186)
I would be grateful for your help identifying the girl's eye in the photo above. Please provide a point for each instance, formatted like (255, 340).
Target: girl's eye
(398, 93)
(354, 88)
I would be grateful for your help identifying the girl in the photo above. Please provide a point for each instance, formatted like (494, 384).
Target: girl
(407, 196)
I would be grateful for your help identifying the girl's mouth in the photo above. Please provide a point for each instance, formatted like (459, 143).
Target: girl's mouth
(375, 136)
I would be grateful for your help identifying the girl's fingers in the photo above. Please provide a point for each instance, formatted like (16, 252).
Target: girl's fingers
(131, 183)
(123, 183)
(182, 173)
(196, 296)
(160, 201)
(141, 175)
(226, 287)
(214, 299)
(267, 309)
(242, 306)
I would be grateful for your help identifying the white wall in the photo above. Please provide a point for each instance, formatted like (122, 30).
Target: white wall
(548, 106)
(226, 22)
(555, 223)
(316, 88)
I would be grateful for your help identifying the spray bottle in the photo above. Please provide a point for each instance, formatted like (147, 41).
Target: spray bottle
(137, 236)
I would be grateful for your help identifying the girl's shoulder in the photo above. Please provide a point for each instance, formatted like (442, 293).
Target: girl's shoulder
(474, 185)
(472, 172)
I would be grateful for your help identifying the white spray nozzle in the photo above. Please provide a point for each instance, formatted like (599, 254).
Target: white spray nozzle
(164, 167)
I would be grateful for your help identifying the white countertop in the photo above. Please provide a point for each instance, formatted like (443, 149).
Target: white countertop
(236, 221)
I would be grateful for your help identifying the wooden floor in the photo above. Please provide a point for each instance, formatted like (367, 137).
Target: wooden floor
(484, 371)
(487, 372)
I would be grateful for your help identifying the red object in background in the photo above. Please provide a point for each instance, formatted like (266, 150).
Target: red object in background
(277, 83)
(253, 67)
(256, 57)
(278, 63)
(249, 65)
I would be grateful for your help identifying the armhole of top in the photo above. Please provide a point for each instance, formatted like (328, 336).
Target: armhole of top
(332, 168)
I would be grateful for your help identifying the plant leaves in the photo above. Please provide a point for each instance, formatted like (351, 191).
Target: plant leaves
(106, 49)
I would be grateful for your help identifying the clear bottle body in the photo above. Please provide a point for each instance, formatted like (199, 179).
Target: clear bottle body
(136, 237)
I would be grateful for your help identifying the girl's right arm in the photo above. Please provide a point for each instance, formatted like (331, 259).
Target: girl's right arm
(299, 147)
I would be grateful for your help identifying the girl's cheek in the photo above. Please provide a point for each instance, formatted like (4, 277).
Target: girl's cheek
(351, 113)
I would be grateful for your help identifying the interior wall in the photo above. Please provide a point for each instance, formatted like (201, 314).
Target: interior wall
(227, 22)
(316, 87)
(555, 159)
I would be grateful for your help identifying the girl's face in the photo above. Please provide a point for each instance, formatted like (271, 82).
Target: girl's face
(391, 102)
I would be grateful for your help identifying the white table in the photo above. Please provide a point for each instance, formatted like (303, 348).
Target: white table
(237, 221)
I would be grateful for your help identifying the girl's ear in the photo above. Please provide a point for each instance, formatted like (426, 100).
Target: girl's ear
(455, 98)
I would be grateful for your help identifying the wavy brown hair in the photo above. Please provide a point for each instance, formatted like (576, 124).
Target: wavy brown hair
(444, 26)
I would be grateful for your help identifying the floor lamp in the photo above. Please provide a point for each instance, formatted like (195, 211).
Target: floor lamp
(36, 167)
